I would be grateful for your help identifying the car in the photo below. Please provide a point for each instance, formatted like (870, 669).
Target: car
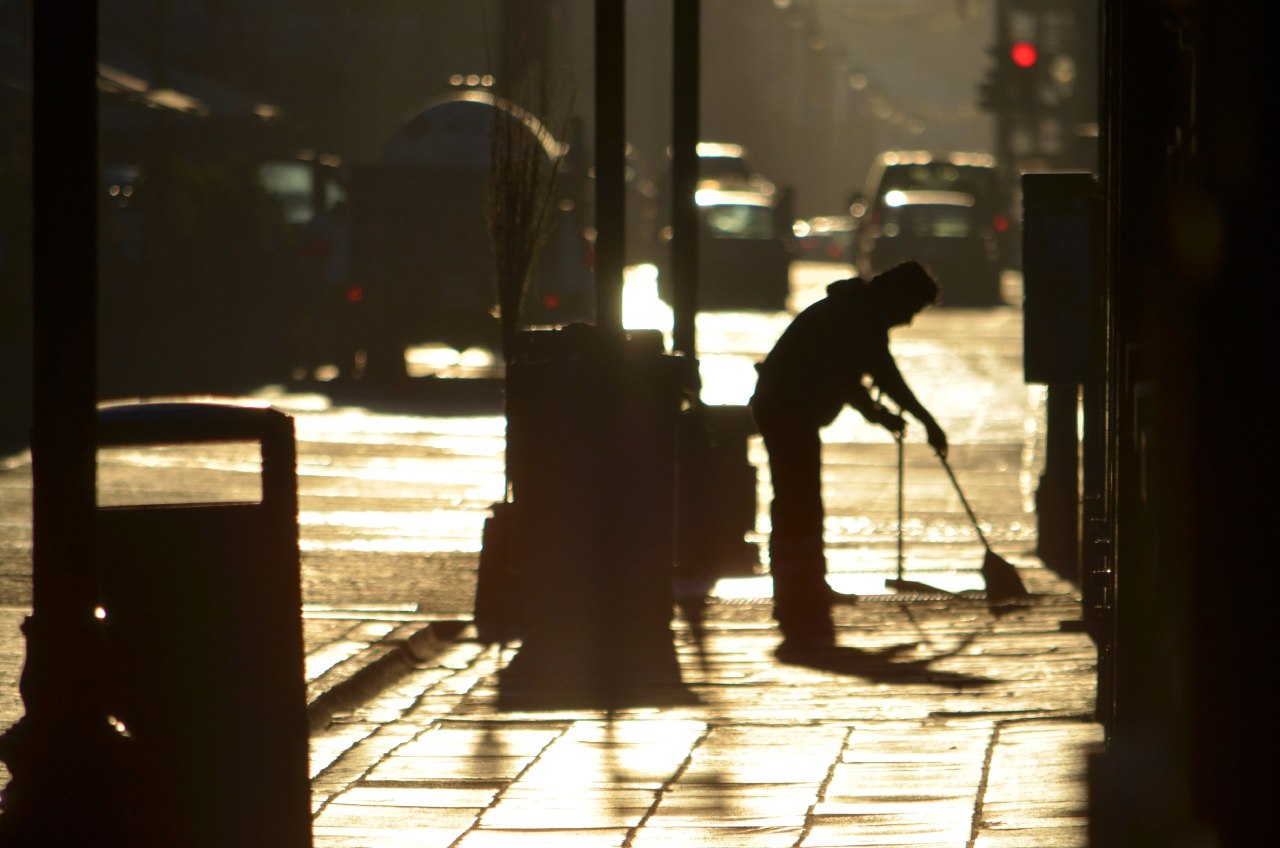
(825, 238)
(972, 173)
(947, 232)
(720, 160)
(744, 255)
(744, 234)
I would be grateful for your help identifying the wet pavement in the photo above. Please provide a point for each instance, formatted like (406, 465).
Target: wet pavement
(940, 722)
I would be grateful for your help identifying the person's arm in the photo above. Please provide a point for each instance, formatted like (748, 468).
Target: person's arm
(861, 400)
(889, 379)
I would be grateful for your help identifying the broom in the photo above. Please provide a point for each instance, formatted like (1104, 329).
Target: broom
(899, 584)
(1003, 582)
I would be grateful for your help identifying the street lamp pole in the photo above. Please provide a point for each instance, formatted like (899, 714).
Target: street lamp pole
(611, 163)
(685, 98)
(60, 754)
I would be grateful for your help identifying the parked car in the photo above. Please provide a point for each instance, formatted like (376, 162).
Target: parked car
(947, 232)
(826, 238)
(719, 160)
(971, 173)
(744, 245)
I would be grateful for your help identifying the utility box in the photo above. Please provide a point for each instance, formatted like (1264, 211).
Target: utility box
(1057, 274)
(1058, 260)
(592, 435)
(202, 613)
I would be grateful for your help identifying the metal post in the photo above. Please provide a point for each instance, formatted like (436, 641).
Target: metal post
(58, 753)
(611, 143)
(685, 100)
(1058, 496)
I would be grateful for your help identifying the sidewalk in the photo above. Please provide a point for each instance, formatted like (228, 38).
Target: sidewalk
(946, 725)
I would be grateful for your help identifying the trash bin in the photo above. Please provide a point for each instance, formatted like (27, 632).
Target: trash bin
(202, 613)
(592, 458)
(717, 495)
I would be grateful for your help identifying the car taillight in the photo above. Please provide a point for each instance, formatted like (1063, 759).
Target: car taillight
(551, 300)
(315, 247)
(355, 294)
(1000, 222)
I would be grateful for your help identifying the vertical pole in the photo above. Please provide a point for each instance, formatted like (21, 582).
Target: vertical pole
(611, 143)
(1058, 497)
(65, 304)
(57, 753)
(685, 100)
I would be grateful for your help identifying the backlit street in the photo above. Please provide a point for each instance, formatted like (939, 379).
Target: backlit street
(392, 505)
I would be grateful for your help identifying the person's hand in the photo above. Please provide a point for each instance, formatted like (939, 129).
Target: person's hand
(937, 438)
(895, 424)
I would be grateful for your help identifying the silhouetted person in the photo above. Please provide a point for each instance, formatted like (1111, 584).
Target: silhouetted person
(815, 368)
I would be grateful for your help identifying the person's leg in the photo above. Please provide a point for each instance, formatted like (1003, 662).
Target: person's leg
(801, 599)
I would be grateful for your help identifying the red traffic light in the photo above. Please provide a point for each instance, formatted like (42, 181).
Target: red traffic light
(1024, 54)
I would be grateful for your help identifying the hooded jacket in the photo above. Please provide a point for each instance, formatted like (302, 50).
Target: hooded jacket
(823, 357)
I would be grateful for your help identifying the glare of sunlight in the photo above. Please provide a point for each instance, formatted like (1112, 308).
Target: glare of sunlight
(727, 380)
(476, 357)
(425, 531)
(642, 308)
(350, 422)
(431, 357)
(441, 360)
(739, 588)
(292, 402)
(397, 545)
(409, 522)
(248, 403)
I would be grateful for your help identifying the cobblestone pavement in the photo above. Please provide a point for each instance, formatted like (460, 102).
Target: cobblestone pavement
(940, 723)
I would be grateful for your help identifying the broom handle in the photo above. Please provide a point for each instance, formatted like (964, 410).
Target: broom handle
(964, 501)
(899, 438)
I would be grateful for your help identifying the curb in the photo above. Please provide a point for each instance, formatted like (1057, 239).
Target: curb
(379, 666)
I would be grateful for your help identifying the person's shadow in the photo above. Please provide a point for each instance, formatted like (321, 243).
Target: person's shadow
(886, 665)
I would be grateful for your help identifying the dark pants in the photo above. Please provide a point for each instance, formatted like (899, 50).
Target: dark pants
(801, 598)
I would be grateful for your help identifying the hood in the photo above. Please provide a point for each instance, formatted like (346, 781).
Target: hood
(849, 286)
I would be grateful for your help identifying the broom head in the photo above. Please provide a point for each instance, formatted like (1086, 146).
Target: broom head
(914, 586)
(1003, 582)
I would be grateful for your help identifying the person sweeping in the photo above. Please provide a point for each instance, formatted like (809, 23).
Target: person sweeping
(819, 364)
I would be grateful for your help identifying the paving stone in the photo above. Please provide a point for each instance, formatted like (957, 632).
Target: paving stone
(717, 836)
(523, 838)
(455, 767)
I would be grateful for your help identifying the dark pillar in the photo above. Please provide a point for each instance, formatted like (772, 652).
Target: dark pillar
(1058, 496)
(1189, 349)
(58, 754)
(685, 99)
(611, 144)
